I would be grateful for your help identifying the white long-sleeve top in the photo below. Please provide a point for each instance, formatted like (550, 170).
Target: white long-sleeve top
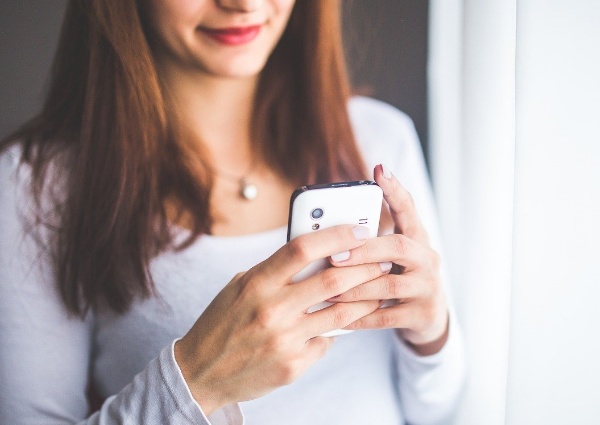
(47, 358)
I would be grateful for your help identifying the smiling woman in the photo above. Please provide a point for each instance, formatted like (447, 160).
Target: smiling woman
(195, 34)
(143, 273)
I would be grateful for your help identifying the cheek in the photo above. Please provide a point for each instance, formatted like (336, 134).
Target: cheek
(166, 15)
(284, 5)
(173, 22)
(283, 8)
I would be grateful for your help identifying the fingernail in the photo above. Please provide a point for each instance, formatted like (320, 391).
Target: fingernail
(386, 172)
(361, 233)
(386, 266)
(340, 256)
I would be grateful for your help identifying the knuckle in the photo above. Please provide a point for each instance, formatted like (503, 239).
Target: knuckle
(385, 321)
(394, 287)
(266, 317)
(430, 313)
(359, 292)
(341, 316)
(277, 344)
(343, 233)
(368, 250)
(288, 372)
(331, 281)
(399, 244)
(373, 270)
(299, 250)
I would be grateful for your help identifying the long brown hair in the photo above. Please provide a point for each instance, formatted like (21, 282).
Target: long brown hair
(107, 114)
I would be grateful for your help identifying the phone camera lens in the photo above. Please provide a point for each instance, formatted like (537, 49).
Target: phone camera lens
(316, 214)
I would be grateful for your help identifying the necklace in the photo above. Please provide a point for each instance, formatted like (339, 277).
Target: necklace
(247, 190)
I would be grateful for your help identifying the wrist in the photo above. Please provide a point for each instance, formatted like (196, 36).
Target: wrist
(424, 346)
(208, 398)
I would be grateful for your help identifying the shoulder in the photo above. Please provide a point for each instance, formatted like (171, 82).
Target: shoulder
(10, 158)
(15, 175)
(26, 193)
(383, 132)
(17, 164)
(369, 113)
(15, 194)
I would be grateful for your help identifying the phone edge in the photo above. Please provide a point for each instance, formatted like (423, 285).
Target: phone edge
(306, 188)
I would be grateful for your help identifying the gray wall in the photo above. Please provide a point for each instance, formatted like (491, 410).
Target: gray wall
(386, 45)
(386, 42)
(28, 36)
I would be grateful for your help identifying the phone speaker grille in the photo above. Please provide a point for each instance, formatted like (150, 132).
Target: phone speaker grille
(363, 220)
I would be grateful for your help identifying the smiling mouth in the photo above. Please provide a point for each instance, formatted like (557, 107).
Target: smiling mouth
(232, 36)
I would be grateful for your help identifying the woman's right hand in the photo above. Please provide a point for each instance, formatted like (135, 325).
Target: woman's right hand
(256, 336)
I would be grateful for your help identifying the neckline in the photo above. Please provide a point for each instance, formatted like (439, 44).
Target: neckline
(271, 234)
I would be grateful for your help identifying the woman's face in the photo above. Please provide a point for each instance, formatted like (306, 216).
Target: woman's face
(227, 38)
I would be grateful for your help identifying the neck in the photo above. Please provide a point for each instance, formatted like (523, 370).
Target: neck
(217, 111)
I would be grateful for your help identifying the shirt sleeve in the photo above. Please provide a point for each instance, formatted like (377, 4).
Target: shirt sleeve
(429, 386)
(45, 354)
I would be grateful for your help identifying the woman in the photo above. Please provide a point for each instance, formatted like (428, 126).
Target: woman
(127, 207)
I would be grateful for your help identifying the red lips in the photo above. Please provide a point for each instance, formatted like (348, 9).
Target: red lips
(232, 36)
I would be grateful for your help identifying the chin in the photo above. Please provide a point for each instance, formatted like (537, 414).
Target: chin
(234, 68)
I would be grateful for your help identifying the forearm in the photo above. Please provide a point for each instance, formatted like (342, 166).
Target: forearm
(159, 394)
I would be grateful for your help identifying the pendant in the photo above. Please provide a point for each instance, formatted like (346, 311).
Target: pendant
(248, 191)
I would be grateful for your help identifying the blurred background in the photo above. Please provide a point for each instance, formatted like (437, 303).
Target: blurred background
(505, 95)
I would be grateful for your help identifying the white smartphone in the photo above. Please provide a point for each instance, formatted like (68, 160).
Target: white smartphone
(318, 207)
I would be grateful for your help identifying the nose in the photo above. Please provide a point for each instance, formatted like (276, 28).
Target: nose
(241, 5)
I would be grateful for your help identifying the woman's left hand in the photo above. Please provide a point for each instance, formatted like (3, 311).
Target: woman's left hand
(418, 311)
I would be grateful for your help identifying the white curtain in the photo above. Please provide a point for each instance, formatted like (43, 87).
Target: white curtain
(520, 79)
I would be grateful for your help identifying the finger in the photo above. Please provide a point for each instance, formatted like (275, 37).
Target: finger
(316, 347)
(388, 287)
(332, 282)
(402, 206)
(396, 248)
(337, 316)
(394, 317)
(301, 251)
